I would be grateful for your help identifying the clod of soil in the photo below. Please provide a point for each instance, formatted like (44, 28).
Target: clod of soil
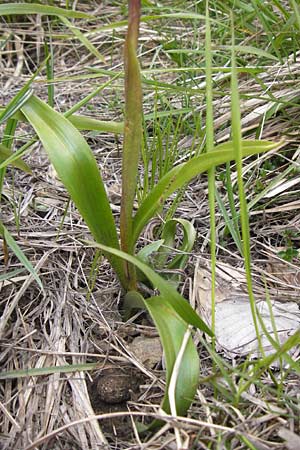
(114, 386)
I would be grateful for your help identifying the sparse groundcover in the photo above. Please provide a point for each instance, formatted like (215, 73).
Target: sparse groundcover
(149, 181)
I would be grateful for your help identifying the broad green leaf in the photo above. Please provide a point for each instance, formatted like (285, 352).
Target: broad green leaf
(133, 300)
(19, 253)
(149, 249)
(16, 103)
(172, 329)
(168, 235)
(170, 295)
(183, 173)
(6, 153)
(88, 123)
(248, 49)
(77, 168)
(35, 8)
(82, 122)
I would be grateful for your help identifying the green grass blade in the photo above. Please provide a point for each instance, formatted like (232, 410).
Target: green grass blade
(77, 168)
(44, 371)
(48, 48)
(35, 8)
(183, 173)
(5, 146)
(229, 221)
(211, 172)
(82, 38)
(132, 133)
(238, 152)
(19, 253)
(172, 330)
(170, 295)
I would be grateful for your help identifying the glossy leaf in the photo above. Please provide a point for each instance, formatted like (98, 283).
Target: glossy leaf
(171, 297)
(171, 330)
(77, 168)
(82, 122)
(6, 153)
(16, 103)
(88, 123)
(168, 235)
(183, 173)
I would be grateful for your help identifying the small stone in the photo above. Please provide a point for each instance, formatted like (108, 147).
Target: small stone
(147, 350)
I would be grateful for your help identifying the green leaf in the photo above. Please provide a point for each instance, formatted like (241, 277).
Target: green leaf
(172, 329)
(16, 103)
(75, 30)
(82, 122)
(35, 8)
(147, 251)
(19, 254)
(168, 235)
(183, 173)
(77, 168)
(6, 153)
(170, 295)
(133, 300)
(88, 123)
(44, 371)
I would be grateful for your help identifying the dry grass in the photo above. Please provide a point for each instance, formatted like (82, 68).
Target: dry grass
(70, 324)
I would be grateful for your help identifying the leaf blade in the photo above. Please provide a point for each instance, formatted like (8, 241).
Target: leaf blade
(35, 8)
(77, 168)
(172, 297)
(172, 329)
(183, 173)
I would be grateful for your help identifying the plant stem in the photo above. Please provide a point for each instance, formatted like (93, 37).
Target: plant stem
(132, 135)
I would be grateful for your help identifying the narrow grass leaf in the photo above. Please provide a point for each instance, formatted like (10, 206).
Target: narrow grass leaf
(238, 153)
(229, 221)
(19, 253)
(44, 371)
(36, 8)
(82, 38)
(209, 129)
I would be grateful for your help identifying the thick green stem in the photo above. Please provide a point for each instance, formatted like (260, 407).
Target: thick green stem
(132, 135)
